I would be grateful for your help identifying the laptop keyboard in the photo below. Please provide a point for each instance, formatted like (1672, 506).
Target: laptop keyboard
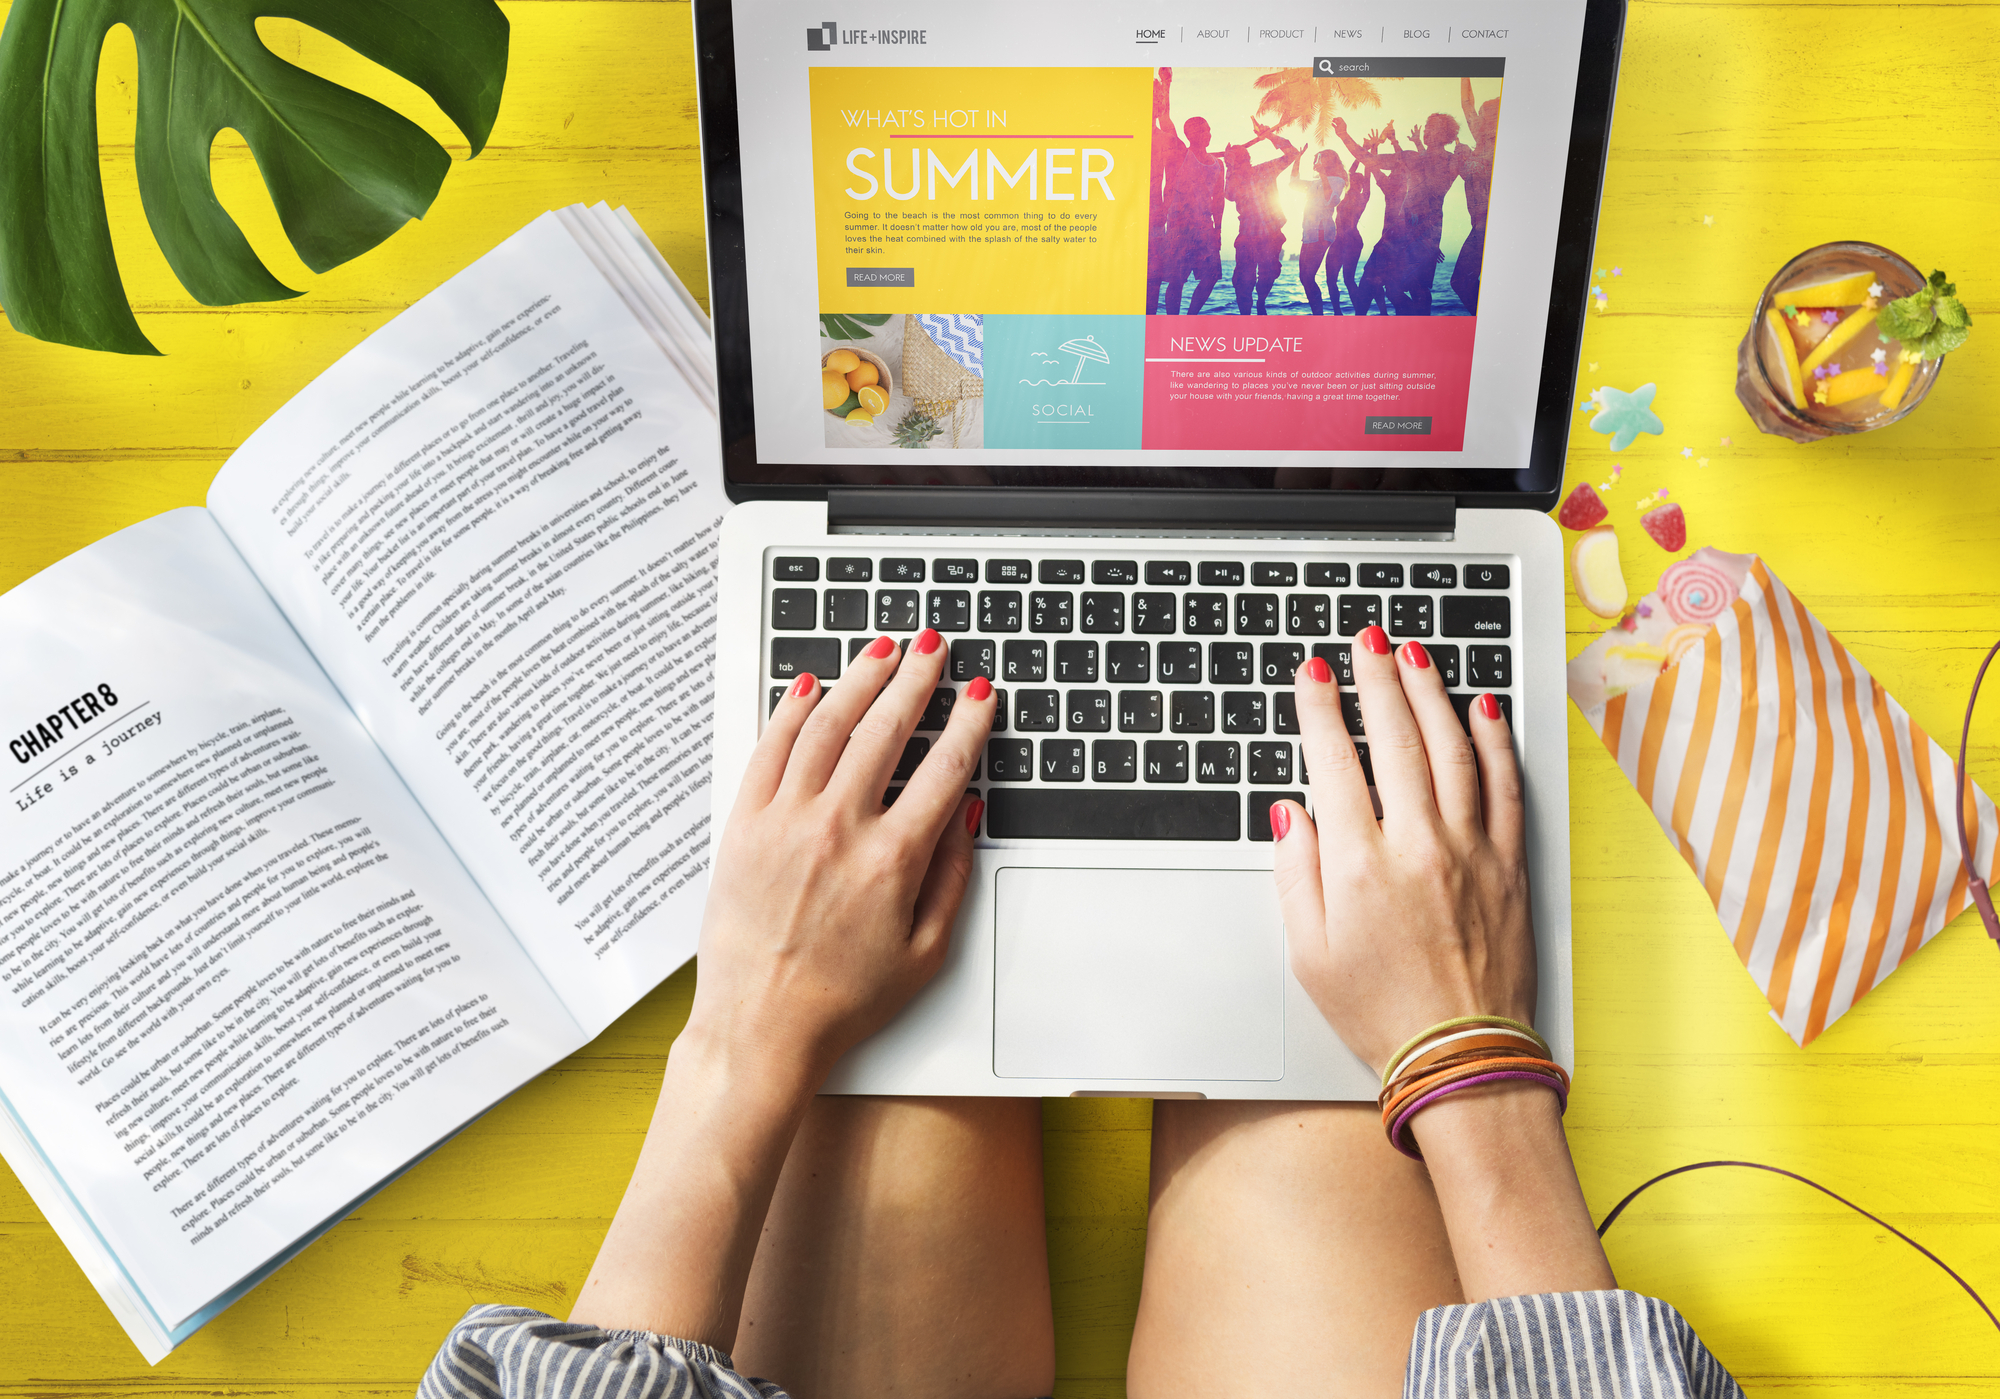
(1140, 697)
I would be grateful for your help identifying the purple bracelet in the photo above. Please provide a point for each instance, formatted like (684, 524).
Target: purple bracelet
(1498, 1076)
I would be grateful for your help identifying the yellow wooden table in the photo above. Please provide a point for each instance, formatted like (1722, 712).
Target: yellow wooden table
(1745, 132)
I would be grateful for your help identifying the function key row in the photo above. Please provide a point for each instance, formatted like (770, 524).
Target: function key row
(1159, 573)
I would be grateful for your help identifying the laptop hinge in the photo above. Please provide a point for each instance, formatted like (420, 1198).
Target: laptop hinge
(1082, 510)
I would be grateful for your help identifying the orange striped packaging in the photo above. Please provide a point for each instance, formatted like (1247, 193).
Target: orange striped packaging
(1814, 810)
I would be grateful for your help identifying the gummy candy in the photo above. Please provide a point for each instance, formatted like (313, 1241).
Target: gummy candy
(1599, 577)
(1581, 509)
(1626, 415)
(1668, 526)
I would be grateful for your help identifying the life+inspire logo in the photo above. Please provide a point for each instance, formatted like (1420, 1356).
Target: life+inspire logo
(822, 37)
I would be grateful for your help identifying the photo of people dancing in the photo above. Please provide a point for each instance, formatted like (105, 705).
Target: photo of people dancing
(1392, 222)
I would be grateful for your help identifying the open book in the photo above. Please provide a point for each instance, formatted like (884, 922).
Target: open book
(338, 810)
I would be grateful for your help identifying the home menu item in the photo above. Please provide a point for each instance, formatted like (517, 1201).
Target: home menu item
(338, 810)
(1170, 245)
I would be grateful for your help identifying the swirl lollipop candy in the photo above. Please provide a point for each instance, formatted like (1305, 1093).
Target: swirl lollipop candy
(1695, 591)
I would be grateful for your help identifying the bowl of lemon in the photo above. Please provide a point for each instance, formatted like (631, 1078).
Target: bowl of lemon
(855, 385)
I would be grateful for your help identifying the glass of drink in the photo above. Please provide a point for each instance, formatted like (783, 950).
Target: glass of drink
(1814, 363)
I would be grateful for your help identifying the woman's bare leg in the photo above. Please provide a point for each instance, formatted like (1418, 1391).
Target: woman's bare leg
(1290, 1247)
(905, 1254)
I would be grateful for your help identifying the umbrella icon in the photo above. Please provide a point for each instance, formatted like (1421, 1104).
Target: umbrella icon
(1085, 350)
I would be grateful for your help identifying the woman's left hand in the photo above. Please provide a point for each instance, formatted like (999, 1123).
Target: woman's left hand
(828, 910)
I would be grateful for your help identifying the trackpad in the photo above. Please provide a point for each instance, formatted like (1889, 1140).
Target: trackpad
(1138, 974)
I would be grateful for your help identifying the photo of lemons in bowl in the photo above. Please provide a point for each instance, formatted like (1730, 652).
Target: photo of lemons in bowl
(855, 385)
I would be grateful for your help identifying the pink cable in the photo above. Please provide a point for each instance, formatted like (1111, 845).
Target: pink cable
(1975, 885)
(1619, 1209)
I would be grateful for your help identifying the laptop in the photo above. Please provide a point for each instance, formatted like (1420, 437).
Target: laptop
(1143, 352)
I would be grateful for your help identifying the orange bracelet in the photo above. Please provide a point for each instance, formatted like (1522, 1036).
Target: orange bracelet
(1451, 1059)
(1398, 1127)
(1407, 1091)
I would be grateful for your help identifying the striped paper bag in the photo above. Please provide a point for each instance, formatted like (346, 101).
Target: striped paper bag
(1814, 810)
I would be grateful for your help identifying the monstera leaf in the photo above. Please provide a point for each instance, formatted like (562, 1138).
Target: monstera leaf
(344, 172)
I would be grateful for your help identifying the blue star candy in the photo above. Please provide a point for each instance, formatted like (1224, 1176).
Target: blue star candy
(1830, 317)
(1626, 415)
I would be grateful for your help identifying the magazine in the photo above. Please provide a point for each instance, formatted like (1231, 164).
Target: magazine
(341, 808)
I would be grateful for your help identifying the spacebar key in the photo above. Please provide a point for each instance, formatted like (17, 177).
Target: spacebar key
(1013, 813)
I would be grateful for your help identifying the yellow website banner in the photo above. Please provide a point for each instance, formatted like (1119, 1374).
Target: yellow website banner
(1002, 191)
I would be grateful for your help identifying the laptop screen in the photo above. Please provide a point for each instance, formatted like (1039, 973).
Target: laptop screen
(1059, 244)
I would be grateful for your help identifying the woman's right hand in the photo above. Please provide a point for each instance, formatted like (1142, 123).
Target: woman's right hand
(1397, 924)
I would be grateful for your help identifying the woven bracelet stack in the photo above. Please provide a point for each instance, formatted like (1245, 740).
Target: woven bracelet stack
(1457, 1054)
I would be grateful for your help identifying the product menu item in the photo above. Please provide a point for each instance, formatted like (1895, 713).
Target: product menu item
(341, 808)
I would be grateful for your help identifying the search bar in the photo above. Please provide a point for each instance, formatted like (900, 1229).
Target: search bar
(1408, 67)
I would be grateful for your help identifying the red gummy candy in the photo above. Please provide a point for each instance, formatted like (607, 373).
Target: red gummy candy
(1581, 509)
(1668, 526)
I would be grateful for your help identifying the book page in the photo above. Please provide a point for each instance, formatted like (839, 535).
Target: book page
(495, 522)
(242, 978)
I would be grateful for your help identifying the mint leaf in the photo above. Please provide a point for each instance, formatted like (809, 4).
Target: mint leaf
(1930, 322)
(1905, 320)
(1942, 341)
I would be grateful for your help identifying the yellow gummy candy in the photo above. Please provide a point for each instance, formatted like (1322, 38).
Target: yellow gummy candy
(1775, 325)
(1899, 384)
(1594, 567)
(1842, 291)
(1857, 321)
(1845, 388)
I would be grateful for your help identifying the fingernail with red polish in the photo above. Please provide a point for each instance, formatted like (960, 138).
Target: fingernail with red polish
(1318, 672)
(1489, 706)
(972, 815)
(802, 687)
(1416, 656)
(1281, 821)
(879, 647)
(927, 641)
(1376, 640)
(979, 689)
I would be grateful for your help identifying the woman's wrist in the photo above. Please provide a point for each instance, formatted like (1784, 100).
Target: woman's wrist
(762, 1074)
(1508, 1190)
(729, 1105)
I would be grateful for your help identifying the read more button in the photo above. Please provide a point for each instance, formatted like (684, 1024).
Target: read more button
(1398, 427)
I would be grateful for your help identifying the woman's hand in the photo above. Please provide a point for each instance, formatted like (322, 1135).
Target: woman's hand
(1397, 924)
(1420, 917)
(828, 910)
